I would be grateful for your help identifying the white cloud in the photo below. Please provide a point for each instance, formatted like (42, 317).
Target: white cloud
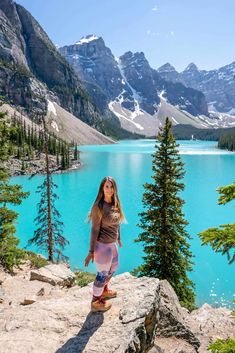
(172, 33)
(155, 8)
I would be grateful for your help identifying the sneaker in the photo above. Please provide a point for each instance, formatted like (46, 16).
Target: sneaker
(100, 305)
(107, 294)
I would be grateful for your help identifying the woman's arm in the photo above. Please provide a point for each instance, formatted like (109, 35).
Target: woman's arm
(119, 237)
(96, 222)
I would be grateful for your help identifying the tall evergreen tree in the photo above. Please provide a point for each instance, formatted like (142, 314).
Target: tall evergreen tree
(48, 235)
(167, 254)
(222, 239)
(10, 254)
(76, 156)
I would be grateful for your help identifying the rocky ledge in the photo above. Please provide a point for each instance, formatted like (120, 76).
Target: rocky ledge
(43, 311)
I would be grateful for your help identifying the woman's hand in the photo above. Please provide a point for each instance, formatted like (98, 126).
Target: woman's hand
(120, 243)
(90, 257)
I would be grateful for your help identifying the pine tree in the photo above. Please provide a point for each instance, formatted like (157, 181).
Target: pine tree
(76, 152)
(63, 157)
(167, 253)
(10, 254)
(222, 239)
(57, 159)
(23, 166)
(48, 236)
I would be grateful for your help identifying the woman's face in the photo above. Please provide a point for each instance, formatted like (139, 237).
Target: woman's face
(108, 189)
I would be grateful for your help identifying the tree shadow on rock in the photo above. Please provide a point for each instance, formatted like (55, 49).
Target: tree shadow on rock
(77, 343)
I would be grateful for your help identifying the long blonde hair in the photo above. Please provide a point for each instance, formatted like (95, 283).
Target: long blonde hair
(99, 201)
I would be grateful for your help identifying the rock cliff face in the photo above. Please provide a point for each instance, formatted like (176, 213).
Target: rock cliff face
(217, 85)
(145, 317)
(31, 70)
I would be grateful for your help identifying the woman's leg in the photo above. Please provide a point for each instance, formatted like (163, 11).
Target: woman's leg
(103, 257)
(114, 265)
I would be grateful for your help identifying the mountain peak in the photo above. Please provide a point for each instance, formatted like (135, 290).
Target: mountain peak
(137, 57)
(166, 68)
(191, 67)
(87, 39)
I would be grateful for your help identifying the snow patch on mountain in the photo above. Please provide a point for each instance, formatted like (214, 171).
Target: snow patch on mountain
(161, 95)
(51, 107)
(123, 115)
(137, 98)
(176, 122)
(87, 39)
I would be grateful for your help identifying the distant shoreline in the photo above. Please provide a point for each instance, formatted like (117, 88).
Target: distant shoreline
(36, 167)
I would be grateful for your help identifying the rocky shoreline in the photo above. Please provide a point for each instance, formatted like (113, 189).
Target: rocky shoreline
(37, 166)
(146, 316)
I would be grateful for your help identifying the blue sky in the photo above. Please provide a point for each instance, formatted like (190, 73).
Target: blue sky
(175, 31)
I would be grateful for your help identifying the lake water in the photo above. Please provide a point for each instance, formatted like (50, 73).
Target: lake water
(130, 162)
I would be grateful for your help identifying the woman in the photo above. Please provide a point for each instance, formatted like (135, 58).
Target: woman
(106, 215)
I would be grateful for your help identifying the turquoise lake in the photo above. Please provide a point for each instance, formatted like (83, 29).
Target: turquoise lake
(130, 163)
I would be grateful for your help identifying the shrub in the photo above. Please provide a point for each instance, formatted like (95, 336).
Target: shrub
(84, 278)
(222, 346)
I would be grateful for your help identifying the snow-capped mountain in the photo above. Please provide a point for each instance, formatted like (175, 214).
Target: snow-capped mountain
(131, 89)
(217, 85)
(138, 95)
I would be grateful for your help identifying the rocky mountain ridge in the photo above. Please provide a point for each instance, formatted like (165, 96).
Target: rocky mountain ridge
(132, 90)
(217, 85)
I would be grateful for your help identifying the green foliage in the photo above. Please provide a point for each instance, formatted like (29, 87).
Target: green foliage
(10, 254)
(227, 141)
(222, 346)
(48, 235)
(185, 132)
(36, 260)
(222, 238)
(167, 253)
(84, 278)
(76, 153)
(23, 142)
(227, 194)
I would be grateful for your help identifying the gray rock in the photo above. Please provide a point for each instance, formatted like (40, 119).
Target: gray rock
(2, 295)
(54, 274)
(172, 317)
(172, 345)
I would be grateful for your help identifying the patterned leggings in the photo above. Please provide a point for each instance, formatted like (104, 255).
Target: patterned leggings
(106, 258)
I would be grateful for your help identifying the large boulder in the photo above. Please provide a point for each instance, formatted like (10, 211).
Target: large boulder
(172, 316)
(54, 274)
